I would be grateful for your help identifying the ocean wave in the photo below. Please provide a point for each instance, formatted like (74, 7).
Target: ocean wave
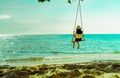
(42, 58)
(24, 59)
(82, 56)
(61, 59)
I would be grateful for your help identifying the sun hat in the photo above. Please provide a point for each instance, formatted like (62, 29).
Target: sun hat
(78, 27)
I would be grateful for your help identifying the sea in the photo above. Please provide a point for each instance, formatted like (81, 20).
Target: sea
(57, 48)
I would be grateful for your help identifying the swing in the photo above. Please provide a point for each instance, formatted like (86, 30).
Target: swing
(78, 10)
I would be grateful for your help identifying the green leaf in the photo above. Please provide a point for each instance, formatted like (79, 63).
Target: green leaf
(69, 1)
(43, 0)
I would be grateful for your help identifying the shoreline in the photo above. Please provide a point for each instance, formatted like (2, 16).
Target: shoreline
(93, 69)
(61, 59)
(98, 66)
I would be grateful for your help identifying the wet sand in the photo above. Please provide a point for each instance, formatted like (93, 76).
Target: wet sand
(93, 69)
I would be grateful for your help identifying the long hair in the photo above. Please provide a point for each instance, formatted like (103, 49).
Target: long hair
(78, 31)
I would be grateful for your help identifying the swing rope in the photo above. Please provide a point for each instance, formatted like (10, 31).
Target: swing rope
(81, 20)
(80, 11)
(76, 14)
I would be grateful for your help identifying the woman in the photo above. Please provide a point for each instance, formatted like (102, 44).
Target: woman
(78, 35)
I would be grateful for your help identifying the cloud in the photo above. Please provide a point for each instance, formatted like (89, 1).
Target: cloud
(5, 16)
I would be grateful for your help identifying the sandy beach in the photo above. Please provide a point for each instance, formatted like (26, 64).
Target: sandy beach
(93, 69)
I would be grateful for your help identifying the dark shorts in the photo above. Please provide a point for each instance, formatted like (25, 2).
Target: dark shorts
(78, 39)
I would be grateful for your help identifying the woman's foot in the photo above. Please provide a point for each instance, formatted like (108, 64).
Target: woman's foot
(73, 46)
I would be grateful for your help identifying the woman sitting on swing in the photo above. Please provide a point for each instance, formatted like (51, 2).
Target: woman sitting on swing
(78, 36)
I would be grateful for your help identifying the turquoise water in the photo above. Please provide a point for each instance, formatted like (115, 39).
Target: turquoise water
(59, 45)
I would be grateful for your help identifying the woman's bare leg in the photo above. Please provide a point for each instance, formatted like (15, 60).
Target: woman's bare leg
(73, 45)
(78, 45)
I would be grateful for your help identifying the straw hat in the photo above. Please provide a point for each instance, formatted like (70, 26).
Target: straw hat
(78, 27)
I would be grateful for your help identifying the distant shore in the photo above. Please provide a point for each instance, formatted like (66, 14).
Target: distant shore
(93, 69)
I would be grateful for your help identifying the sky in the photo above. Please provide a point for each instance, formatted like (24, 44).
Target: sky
(58, 17)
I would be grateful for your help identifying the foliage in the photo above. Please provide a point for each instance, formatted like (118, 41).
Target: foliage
(69, 1)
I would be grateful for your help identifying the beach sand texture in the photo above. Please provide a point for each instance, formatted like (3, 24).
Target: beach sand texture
(93, 69)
